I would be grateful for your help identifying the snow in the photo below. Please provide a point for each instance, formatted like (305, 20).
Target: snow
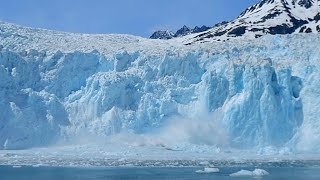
(120, 95)
(244, 173)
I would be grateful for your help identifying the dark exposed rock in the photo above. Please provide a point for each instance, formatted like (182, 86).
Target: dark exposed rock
(239, 31)
(317, 17)
(309, 30)
(162, 35)
(185, 30)
(200, 29)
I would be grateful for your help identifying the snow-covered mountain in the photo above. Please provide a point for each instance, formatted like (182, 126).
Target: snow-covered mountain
(162, 35)
(269, 17)
(266, 17)
(185, 30)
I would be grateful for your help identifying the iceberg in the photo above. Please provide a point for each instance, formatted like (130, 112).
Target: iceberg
(244, 173)
(208, 170)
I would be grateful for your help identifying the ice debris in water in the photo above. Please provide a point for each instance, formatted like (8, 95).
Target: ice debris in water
(16, 166)
(256, 172)
(208, 170)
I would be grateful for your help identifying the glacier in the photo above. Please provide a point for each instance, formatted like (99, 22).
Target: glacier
(259, 94)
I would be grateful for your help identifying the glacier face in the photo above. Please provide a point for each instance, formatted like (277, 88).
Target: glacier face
(254, 94)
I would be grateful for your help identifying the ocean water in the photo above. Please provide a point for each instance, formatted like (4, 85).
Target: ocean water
(148, 173)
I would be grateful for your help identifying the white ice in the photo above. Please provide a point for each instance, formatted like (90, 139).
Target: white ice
(208, 170)
(256, 172)
(260, 96)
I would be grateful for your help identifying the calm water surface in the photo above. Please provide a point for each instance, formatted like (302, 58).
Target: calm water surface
(54, 173)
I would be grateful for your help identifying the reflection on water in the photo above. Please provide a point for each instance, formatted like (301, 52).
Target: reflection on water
(60, 173)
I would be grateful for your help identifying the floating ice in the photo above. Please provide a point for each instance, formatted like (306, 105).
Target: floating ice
(256, 172)
(208, 170)
(16, 166)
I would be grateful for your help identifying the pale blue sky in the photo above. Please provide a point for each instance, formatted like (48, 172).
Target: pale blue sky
(138, 17)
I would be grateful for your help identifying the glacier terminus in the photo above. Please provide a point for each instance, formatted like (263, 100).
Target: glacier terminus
(211, 94)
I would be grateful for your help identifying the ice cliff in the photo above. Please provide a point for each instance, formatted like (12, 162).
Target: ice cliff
(256, 93)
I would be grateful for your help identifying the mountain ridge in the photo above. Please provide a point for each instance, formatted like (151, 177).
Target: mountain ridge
(185, 30)
(265, 17)
(268, 17)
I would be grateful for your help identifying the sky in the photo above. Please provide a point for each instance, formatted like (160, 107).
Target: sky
(137, 17)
